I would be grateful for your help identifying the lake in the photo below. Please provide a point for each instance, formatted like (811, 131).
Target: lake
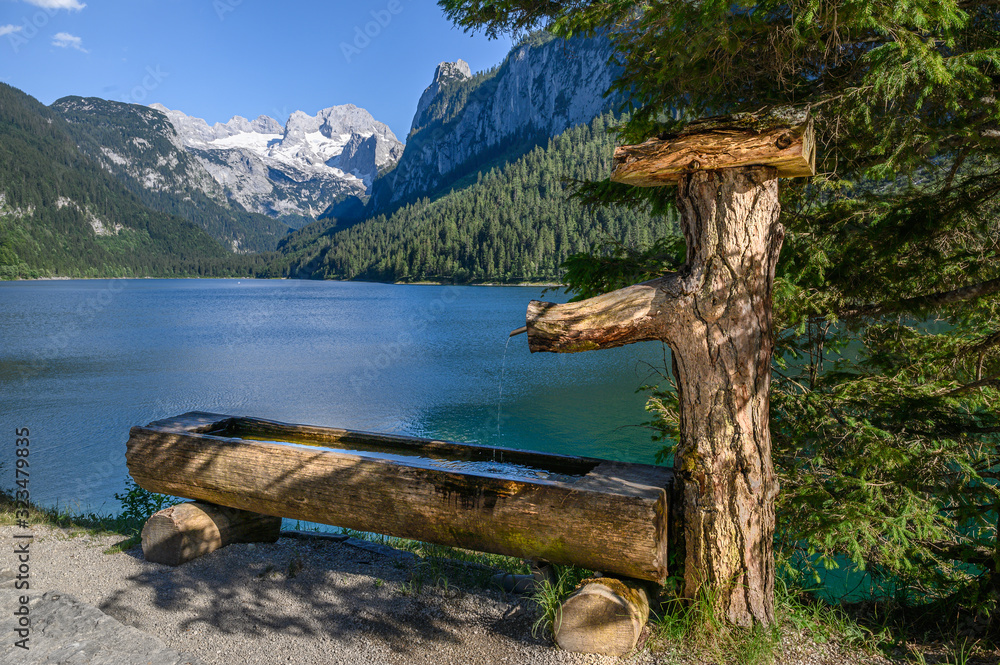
(83, 361)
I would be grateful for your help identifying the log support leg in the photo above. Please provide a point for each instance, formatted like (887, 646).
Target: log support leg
(541, 572)
(187, 531)
(606, 616)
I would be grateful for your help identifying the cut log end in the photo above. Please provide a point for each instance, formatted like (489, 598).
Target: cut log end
(605, 616)
(785, 143)
(605, 321)
(187, 531)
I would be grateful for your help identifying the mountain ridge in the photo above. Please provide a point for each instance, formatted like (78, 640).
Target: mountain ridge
(543, 87)
(63, 214)
(298, 169)
(138, 145)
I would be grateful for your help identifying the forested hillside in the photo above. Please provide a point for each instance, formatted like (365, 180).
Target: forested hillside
(61, 214)
(542, 88)
(512, 223)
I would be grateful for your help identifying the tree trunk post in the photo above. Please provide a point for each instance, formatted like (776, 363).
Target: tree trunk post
(715, 314)
(724, 474)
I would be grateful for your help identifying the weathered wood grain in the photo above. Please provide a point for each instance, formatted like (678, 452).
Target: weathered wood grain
(587, 520)
(634, 314)
(187, 531)
(605, 616)
(784, 143)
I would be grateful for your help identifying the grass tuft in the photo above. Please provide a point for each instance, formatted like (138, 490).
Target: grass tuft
(137, 503)
(550, 595)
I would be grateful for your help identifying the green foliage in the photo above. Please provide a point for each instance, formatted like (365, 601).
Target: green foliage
(694, 626)
(885, 418)
(614, 265)
(891, 82)
(138, 504)
(512, 223)
(550, 595)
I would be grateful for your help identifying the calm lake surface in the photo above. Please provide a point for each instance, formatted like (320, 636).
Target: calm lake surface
(83, 361)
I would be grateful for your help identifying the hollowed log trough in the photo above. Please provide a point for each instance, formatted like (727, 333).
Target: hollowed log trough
(598, 514)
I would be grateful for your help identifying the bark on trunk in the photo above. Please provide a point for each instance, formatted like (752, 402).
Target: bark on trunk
(716, 317)
(723, 363)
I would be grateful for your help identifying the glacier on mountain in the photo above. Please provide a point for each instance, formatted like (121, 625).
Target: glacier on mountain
(300, 168)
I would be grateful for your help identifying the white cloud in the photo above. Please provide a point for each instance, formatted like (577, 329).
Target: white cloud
(7, 29)
(57, 4)
(66, 40)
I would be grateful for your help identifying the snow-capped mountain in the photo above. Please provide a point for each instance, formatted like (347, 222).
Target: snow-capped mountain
(299, 169)
(139, 147)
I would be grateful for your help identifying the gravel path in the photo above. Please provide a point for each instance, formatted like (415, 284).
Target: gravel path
(294, 601)
(309, 602)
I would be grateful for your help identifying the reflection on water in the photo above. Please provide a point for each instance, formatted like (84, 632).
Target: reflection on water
(490, 468)
(83, 361)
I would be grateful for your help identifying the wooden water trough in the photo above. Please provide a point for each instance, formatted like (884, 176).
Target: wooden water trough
(598, 514)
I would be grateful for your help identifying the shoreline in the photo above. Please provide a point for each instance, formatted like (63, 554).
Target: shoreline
(289, 279)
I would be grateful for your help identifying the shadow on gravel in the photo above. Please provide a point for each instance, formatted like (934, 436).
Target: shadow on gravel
(317, 590)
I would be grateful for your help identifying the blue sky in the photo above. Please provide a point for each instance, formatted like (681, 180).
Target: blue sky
(218, 58)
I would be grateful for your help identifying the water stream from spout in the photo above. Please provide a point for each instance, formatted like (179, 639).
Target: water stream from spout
(503, 363)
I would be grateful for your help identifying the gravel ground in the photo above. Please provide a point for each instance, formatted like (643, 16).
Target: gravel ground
(294, 601)
(307, 601)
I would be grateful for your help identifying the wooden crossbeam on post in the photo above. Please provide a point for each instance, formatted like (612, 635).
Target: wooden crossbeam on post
(782, 141)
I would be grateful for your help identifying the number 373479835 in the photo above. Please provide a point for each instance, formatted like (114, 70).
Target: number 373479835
(21, 453)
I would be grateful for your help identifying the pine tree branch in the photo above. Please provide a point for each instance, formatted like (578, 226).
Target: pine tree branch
(982, 383)
(925, 302)
(979, 556)
(988, 342)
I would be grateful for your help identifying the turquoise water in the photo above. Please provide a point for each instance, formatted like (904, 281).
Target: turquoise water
(83, 361)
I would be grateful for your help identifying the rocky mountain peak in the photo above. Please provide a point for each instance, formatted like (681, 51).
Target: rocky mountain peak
(299, 168)
(240, 125)
(301, 123)
(265, 125)
(446, 72)
(543, 87)
(346, 120)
